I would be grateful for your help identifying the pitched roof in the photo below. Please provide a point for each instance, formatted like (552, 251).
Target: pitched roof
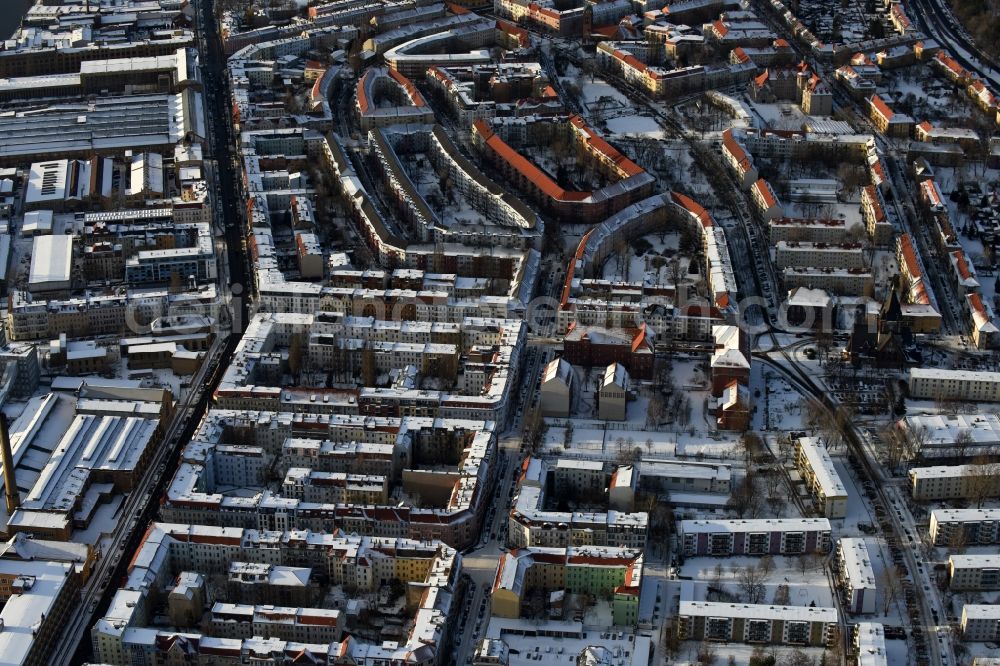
(881, 108)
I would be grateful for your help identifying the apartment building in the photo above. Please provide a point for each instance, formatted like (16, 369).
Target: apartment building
(765, 201)
(942, 384)
(855, 576)
(980, 623)
(944, 482)
(917, 309)
(888, 121)
(629, 182)
(840, 281)
(738, 159)
(413, 58)
(265, 583)
(820, 255)
(974, 572)
(821, 477)
(39, 599)
(530, 524)
(869, 644)
(759, 536)
(873, 211)
(385, 97)
(806, 230)
(969, 526)
(984, 330)
(581, 570)
(303, 625)
(730, 357)
(756, 623)
(428, 569)
(310, 485)
(349, 456)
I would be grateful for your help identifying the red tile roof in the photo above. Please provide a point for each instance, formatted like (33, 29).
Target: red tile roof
(567, 286)
(881, 108)
(763, 190)
(524, 166)
(909, 255)
(950, 64)
(694, 208)
(735, 149)
(961, 265)
(872, 196)
(411, 90)
(627, 166)
(976, 303)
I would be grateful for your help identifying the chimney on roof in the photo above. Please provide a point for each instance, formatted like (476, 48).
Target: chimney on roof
(11, 495)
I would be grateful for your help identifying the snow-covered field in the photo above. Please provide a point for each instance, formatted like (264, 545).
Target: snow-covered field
(635, 126)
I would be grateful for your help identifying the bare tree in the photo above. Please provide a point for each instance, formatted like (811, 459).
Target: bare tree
(745, 501)
(534, 430)
(895, 445)
(751, 583)
(752, 446)
(983, 480)
(706, 654)
(655, 411)
(914, 440)
(890, 582)
(766, 565)
(963, 440)
(796, 658)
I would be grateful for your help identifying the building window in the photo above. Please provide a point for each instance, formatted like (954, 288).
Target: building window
(718, 628)
(798, 633)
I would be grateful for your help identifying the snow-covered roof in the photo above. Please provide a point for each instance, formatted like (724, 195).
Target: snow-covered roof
(955, 375)
(558, 369)
(758, 611)
(51, 260)
(615, 374)
(856, 563)
(713, 526)
(975, 561)
(819, 461)
(870, 641)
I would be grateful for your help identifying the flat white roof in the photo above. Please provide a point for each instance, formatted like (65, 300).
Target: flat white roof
(853, 553)
(981, 611)
(755, 525)
(957, 375)
(22, 613)
(758, 611)
(964, 515)
(821, 464)
(976, 561)
(51, 259)
(871, 644)
(942, 471)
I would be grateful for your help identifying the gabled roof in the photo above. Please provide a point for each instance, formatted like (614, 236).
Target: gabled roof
(880, 107)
